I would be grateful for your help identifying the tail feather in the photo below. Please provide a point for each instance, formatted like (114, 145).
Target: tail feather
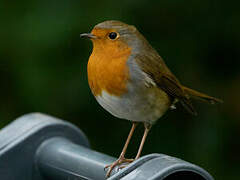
(188, 106)
(195, 94)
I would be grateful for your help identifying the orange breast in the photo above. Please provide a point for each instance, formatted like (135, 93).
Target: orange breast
(107, 68)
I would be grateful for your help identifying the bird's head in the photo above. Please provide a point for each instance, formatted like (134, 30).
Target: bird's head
(114, 37)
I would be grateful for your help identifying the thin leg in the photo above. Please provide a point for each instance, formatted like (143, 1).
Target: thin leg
(121, 158)
(147, 129)
(128, 139)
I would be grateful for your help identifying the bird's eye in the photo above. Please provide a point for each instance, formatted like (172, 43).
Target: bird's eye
(112, 35)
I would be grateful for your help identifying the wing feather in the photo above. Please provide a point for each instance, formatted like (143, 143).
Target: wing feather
(153, 65)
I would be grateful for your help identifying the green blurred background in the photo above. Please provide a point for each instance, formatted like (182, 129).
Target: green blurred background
(43, 68)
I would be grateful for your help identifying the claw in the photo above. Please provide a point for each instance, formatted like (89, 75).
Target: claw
(105, 168)
(119, 161)
(122, 166)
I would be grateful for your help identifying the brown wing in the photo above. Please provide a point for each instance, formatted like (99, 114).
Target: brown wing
(152, 64)
(172, 87)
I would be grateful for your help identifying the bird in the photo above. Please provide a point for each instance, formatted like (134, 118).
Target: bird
(131, 81)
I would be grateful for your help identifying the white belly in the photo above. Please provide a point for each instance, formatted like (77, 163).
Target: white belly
(140, 105)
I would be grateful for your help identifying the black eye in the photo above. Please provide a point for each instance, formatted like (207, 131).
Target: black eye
(112, 35)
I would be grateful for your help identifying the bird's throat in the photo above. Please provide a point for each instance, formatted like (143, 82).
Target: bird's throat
(108, 71)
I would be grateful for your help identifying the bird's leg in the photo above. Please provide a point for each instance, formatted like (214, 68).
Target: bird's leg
(147, 129)
(121, 158)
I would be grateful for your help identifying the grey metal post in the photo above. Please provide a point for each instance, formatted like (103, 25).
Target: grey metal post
(61, 159)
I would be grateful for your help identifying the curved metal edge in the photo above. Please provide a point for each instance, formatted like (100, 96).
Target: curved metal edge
(169, 166)
(121, 173)
(184, 166)
(31, 123)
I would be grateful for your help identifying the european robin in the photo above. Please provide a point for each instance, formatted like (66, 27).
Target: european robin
(131, 81)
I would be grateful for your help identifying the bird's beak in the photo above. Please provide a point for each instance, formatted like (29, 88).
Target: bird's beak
(88, 35)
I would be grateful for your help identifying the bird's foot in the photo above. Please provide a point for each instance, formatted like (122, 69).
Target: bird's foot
(118, 162)
(122, 166)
